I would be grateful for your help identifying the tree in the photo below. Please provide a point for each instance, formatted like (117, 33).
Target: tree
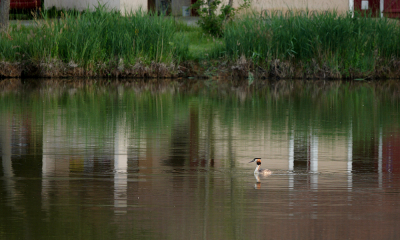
(4, 14)
(214, 14)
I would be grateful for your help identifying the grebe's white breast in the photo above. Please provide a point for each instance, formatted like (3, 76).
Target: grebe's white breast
(259, 170)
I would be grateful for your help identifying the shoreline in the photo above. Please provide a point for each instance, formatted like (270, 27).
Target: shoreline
(104, 44)
(242, 69)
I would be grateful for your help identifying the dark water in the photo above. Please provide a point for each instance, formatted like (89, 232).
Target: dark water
(151, 160)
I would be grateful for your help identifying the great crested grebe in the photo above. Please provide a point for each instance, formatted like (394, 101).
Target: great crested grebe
(259, 170)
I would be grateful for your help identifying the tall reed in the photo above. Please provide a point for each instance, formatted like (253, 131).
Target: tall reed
(337, 40)
(95, 37)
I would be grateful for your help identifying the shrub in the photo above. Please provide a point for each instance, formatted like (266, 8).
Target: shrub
(212, 21)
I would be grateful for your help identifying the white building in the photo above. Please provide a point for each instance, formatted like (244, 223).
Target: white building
(175, 7)
(121, 5)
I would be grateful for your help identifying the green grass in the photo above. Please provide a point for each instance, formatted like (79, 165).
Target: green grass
(201, 45)
(96, 40)
(338, 41)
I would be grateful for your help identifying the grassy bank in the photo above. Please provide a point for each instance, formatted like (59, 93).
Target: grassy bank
(98, 42)
(323, 45)
(106, 44)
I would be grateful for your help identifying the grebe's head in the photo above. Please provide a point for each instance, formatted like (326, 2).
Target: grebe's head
(256, 159)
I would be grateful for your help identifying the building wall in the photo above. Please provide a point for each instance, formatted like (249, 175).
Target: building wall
(260, 5)
(177, 6)
(311, 5)
(81, 4)
(132, 5)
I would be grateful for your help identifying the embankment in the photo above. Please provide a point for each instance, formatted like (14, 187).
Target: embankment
(105, 44)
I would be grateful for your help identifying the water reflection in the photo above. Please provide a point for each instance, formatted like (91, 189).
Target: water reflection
(350, 163)
(5, 141)
(174, 156)
(314, 161)
(121, 167)
(380, 157)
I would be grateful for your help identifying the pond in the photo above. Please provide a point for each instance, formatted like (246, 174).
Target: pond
(90, 159)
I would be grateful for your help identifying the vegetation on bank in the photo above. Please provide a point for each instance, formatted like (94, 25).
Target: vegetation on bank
(97, 41)
(329, 43)
(140, 44)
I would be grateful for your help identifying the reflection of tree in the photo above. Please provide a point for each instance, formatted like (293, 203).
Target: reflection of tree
(364, 155)
(194, 135)
(179, 144)
(300, 152)
(205, 198)
(208, 155)
(185, 140)
(209, 138)
(236, 207)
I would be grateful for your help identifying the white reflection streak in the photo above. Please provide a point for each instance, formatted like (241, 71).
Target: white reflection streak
(120, 168)
(50, 142)
(314, 171)
(350, 162)
(314, 161)
(48, 167)
(380, 157)
(291, 160)
(291, 169)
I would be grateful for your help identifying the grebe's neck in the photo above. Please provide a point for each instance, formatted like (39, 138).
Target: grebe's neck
(257, 169)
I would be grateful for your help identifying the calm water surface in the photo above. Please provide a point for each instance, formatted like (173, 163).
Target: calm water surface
(151, 160)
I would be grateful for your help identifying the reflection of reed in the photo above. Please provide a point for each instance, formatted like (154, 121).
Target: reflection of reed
(388, 89)
(199, 194)
(11, 84)
(275, 89)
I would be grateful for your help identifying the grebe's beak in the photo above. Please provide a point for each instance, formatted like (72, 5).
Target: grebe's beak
(254, 160)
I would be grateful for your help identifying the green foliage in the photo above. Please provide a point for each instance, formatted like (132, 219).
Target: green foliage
(99, 107)
(53, 12)
(310, 41)
(341, 41)
(201, 45)
(95, 37)
(214, 15)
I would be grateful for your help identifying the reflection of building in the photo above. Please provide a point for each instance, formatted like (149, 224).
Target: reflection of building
(143, 175)
(176, 7)
(389, 160)
(391, 153)
(120, 5)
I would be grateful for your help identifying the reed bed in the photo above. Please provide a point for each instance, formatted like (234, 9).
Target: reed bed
(95, 38)
(341, 43)
(301, 45)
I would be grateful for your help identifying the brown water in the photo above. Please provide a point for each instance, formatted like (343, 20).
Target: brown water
(136, 160)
